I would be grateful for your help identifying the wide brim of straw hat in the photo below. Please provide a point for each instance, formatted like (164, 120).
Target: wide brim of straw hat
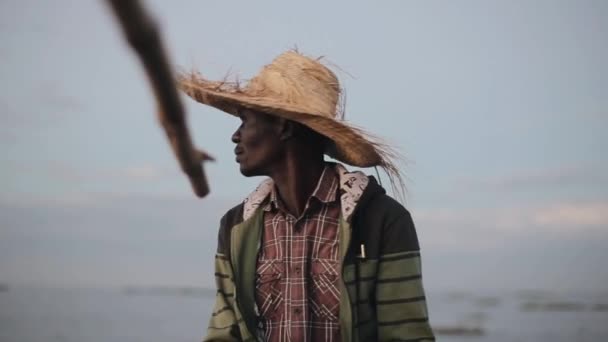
(349, 144)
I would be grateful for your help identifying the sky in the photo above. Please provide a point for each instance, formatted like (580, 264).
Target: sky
(501, 109)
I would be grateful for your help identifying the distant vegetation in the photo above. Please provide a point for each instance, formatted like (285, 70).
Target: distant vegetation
(168, 291)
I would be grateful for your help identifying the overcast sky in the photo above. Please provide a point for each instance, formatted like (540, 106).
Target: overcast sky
(501, 108)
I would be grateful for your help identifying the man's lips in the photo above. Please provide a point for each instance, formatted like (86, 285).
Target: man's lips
(238, 151)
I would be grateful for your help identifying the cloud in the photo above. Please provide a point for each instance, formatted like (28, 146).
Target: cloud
(564, 175)
(113, 217)
(103, 238)
(136, 173)
(573, 215)
(144, 172)
(46, 104)
(584, 215)
(79, 172)
(56, 99)
(488, 226)
(171, 240)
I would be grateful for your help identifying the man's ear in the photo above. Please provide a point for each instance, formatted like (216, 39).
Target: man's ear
(287, 129)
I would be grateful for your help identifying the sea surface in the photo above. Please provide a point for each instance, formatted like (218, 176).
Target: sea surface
(181, 314)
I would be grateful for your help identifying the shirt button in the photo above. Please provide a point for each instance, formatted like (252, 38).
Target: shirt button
(297, 311)
(297, 270)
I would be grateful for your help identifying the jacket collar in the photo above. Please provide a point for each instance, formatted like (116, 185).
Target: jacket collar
(350, 187)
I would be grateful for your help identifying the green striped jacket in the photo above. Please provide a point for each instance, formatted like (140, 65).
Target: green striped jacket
(381, 294)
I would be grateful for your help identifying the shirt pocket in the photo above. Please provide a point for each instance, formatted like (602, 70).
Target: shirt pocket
(269, 293)
(325, 291)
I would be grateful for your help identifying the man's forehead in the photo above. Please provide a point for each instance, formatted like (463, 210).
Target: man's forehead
(248, 112)
(257, 115)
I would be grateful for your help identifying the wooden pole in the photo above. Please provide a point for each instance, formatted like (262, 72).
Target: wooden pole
(142, 33)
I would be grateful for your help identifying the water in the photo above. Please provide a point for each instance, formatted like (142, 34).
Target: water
(32, 315)
(523, 316)
(115, 315)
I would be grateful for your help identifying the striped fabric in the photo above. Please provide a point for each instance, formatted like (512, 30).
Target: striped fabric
(394, 284)
(226, 323)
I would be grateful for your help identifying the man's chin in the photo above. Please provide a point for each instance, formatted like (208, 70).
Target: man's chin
(247, 172)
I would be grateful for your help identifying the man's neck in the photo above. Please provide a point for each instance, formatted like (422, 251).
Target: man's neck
(295, 181)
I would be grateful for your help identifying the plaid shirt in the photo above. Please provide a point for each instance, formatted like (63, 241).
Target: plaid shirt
(297, 292)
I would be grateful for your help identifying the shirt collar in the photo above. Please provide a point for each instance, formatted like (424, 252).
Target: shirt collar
(325, 192)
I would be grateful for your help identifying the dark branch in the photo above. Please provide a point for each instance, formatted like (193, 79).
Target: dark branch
(143, 35)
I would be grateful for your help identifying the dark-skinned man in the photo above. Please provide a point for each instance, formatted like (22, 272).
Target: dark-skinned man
(316, 252)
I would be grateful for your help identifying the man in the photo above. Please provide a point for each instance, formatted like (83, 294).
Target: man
(315, 253)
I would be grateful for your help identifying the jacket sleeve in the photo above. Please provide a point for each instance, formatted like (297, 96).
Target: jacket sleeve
(400, 299)
(224, 322)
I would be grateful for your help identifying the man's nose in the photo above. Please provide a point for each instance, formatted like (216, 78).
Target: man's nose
(236, 136)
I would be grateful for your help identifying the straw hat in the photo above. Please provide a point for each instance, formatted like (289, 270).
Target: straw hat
(301, 89)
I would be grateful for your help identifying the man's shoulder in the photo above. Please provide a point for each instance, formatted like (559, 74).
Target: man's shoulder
(386, 207)
(384, 221)
(377, 205)
(232, 217)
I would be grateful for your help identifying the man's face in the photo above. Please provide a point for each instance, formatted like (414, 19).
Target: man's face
(258, 143)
